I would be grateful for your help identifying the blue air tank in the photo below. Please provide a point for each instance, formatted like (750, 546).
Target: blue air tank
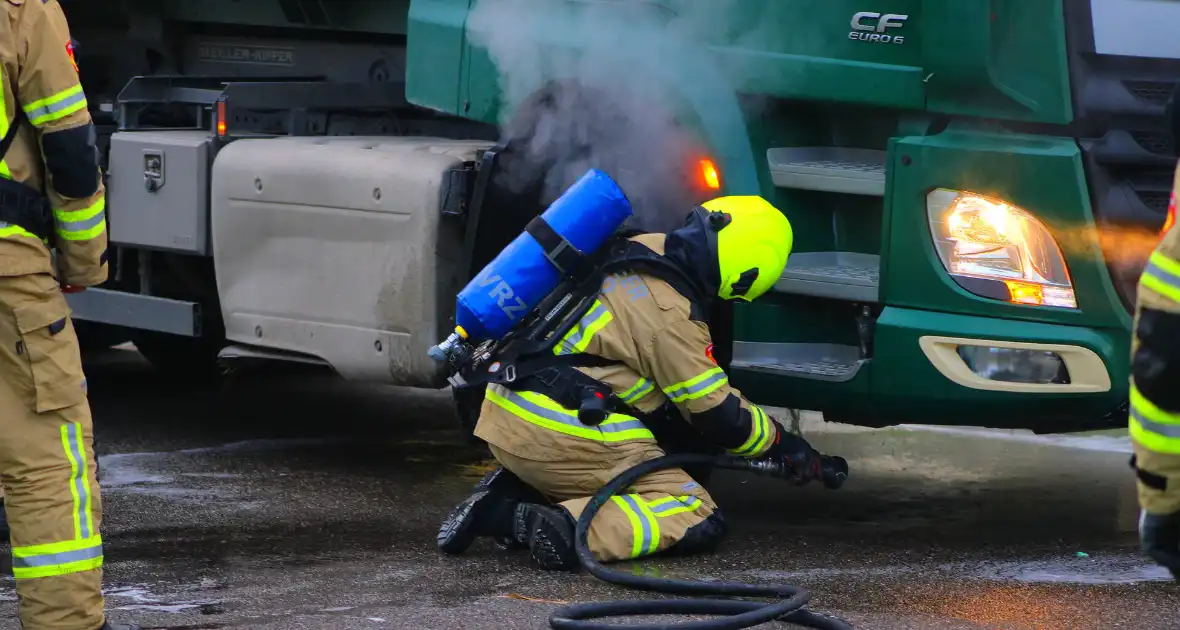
(506, 290)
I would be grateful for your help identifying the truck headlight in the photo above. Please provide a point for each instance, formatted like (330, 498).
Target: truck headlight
(984, 238)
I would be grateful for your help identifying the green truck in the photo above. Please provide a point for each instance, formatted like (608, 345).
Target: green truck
(974, 185)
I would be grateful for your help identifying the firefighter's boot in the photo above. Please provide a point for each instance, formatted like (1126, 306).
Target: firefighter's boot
(487, 512)
(549, 531)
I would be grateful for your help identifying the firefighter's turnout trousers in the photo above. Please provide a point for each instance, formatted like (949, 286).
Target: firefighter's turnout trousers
(47, 465)
(657, 511)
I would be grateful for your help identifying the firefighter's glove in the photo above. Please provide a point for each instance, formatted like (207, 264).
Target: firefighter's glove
(802, 464)
(1159, 535)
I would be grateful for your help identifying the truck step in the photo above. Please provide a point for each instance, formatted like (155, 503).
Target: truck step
(830, 169)
(818, 361)
(837, 275)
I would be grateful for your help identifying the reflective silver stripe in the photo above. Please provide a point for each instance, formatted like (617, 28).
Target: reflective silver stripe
(639, 390)
(1166, 430)
(574, 337)
(49, 109)
(644, 523)
(693, 503)
(74, 440)
(52, 559)
(85, 224)
(570, 420)
(1163, 275)
(689, 390)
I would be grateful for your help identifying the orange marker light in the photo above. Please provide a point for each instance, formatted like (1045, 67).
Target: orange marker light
(709, 174)
(221, 126)
(1025, 292)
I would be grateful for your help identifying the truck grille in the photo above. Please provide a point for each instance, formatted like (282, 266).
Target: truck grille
(1127, 147)
(1153, 92)
(1157, 142)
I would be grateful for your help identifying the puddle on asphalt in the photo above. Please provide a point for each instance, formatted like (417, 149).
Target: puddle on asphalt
(132, 472)
(1092, 570)
(141, 597)
(1096, 570)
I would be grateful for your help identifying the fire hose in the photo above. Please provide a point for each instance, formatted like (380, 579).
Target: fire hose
(738, 613)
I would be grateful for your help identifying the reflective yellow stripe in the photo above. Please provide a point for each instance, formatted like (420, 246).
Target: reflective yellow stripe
(578, 338)
(58, 558)
(57, 106)
(1154, 428)
(84, 224)
(759, 438)
(636, 525)
(670, 506)
(4, 123)
(549, 414)
(698, 386)
(64, 568)
(637, 391)
(645, 528)
(84, 235)
(71, 441)
(1162, 275)
(15, 230)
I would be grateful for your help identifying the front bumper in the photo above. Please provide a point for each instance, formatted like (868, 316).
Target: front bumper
(911, 378)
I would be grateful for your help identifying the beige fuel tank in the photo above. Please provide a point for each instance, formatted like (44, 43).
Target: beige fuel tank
(337, 248)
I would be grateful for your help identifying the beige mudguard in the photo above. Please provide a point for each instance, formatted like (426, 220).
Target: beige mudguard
(337, 248)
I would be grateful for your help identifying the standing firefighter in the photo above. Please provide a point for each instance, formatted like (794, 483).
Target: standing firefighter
(645, 341)
(51, 196)
(1155, 397)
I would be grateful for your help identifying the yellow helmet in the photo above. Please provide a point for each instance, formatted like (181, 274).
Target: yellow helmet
(754, 240)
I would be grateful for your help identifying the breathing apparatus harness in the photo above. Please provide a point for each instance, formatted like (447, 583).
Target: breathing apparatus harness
(526, 358)
(20, 204)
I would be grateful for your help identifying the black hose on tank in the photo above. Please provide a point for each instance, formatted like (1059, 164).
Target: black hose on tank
(738, 613)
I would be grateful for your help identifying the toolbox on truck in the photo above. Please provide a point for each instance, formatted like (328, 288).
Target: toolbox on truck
(158, 195)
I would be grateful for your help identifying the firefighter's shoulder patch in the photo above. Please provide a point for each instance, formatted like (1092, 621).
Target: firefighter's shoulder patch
(709, 353)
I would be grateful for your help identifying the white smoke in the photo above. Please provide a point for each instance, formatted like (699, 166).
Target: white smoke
(616, 109)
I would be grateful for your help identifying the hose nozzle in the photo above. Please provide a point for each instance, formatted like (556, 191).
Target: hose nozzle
(833, 469)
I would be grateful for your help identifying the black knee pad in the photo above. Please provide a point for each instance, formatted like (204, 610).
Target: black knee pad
(1156, 364)
(702, 537)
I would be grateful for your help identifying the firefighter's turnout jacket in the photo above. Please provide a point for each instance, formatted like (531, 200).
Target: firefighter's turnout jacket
(54, 150)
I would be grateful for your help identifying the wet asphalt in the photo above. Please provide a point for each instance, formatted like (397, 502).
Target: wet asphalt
(293, 500)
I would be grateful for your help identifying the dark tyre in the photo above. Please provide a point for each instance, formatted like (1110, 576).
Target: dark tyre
(94, 337)
(187, 357)
(192, 279)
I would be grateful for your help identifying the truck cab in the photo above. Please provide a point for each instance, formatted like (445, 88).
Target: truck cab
(974, 186)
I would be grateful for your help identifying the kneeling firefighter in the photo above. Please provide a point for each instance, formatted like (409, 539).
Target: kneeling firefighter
(640, 349)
